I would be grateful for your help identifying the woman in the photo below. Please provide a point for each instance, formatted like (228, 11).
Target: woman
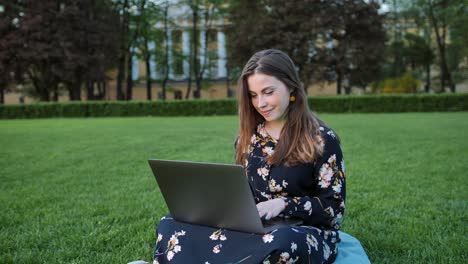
(295, 168)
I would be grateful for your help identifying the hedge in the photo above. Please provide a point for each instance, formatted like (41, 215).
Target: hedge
(327, 104)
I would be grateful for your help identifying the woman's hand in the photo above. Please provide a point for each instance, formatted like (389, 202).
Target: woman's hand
(271, 208)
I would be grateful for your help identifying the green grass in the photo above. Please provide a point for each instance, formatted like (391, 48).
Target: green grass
(81, 191)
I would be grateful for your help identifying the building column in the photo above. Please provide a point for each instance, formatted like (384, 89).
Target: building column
(169, 56)
(186, 52)
(202, 51)
(135, 64)
(151, 49)
(221, 54)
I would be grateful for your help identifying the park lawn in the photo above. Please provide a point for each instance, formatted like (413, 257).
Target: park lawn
(81, 191)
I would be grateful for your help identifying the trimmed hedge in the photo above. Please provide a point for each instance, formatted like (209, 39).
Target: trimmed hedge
(328, 104)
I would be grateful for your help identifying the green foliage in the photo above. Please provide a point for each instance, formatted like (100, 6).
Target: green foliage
(403, 84)
(330, 104)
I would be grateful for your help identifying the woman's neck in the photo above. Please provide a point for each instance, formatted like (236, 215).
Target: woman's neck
(274, 128)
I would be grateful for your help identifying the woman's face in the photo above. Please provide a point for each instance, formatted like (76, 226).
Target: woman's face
(269, 96)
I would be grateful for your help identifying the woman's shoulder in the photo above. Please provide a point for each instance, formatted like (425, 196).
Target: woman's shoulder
(327, 133)
(330, 139)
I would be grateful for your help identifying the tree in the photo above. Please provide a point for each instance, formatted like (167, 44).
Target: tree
(360, 41)
(8, 42)
(124, 25)
(89, 41)
(60, 42)
(205, 11)
(305, 29)
(442, 15)
(148, 13)
(418, 53)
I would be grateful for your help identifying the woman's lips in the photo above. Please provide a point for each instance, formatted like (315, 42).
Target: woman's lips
(265, 113)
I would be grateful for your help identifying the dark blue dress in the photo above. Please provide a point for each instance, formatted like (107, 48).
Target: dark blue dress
(314, 192)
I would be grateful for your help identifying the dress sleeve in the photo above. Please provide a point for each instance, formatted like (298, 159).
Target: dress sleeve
(324, 208)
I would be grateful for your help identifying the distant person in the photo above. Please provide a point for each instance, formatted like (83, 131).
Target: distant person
(295, 167)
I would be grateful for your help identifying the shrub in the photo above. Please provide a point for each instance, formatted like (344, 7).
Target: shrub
(330, 104)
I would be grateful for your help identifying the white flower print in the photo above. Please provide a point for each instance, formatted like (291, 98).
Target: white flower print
(262, 131)
(308, 207)
(160, 237)
(253, 139)
(215, 235)
(332, 159)
(218, 234)
(311, 243)
(173, 246)
(293, 247)
(263, 172)
(284, 183)
(268, 238)
(170, 255)
(268, 150)
(337, 188)
(274, 187)
(329, 210)
(177, 249)
(321, 128)
(268, 196)
(325, 175)
(174, 240)
(330, 133)
(284, 257)
(155, 261)
(217, 248)
(326, 251)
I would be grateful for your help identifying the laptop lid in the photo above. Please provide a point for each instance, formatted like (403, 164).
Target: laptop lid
(209, 194)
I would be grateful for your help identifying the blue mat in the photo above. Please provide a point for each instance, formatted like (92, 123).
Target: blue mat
(350, 251)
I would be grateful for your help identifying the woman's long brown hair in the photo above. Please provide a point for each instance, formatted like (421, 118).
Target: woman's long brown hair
(300, 140)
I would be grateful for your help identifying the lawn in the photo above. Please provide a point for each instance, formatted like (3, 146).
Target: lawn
(81, 191)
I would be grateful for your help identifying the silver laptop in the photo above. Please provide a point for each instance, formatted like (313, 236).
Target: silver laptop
(209, 194)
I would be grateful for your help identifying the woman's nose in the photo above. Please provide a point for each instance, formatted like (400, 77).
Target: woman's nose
(261, 102)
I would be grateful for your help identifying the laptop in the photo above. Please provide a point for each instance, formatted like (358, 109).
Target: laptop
(211, 194)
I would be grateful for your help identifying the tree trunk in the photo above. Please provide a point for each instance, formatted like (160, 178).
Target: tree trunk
(445, 75)
(427, 87)
(43, 93)
(120, 77)
(55, 93)
(2, 94)
(76, 90)
(123, 51)
(128, 94)
(75, 87)
(189, 80)
(339, 81)
(189, 85)
(228, 84)
(89, 91)
(166, 53)
(196, 64)
(148, 71)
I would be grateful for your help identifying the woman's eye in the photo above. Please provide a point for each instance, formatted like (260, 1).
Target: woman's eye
(269, 92)
(253, 95)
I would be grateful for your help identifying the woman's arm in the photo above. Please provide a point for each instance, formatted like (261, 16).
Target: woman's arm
(325, 208)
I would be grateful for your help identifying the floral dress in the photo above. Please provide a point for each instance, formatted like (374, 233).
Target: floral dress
(313, 192)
